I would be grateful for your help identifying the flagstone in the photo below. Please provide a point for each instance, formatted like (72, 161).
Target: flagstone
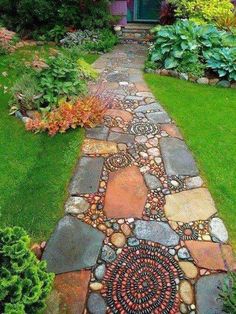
(126, 193)
(74, 245)
(121, 138)
(172, 130)
(211, 255)
(87, 176)
(177, 158)
(156, 231)
(207, 294)
(147, 108)
(189, 205)
(92, 146)
(99, 132)
(125, 115)
(72, 289)
(158, 117)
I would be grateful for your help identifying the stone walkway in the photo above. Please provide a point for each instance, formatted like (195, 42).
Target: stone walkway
(141, 234)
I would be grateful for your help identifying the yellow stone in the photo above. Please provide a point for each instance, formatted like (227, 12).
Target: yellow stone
(118, 239)
(186, 292)
(91, 147)
(189, 269)
(96, 286)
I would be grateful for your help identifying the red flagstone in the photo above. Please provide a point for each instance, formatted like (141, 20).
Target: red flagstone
(125, 115)
(72, 288)
(172, 130)
(126, 194)
(211, 255)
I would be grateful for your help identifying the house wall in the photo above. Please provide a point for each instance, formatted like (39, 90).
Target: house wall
(120, 7)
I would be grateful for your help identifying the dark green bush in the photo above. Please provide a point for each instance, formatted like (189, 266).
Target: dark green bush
(25, 15)
(228, 293)
(25, 282)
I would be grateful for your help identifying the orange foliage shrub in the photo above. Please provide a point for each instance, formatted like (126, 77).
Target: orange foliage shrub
(85, 112)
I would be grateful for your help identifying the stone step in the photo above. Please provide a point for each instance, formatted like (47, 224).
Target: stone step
(134, 32)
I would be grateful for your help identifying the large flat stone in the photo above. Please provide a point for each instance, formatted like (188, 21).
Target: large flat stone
(87, 176)
(177, 158)
(211, 255)
(99, 132)
(149, 107)
(156, 231)
(189, 205)
(126, 194)
(172, 130)
(72, 289)
(74, 245)
(114, 113)
(158, 117)
(121, 138)
(98, 147)
(207, 294)
(96, 304)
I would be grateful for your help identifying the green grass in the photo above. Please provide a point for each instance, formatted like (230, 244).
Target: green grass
(206, 116)
(35, 169)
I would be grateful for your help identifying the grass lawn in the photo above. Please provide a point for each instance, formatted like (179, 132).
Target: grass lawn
(207, 118)
(35, 169)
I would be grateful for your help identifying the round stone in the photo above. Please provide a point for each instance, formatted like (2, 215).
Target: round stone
(218, 230)
(141, 139)
(100, 271)
(76, 205)
(133, 242)
(96, 286)
(189, 269)
(183, 253)
(96, 304)
(183, 308)
(186, 292)
(118, 239)
(126, 229)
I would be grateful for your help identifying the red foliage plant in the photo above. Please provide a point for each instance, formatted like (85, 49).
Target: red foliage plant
(84, 112)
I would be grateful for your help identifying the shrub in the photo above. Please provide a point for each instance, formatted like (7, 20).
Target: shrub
(208, 11)
(91, 40)
(87, 111)
(222, 61)
(167, 15)
(228, 293)
(25, 283)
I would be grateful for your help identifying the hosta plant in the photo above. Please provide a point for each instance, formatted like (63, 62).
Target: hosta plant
(25, 282)
(222, 61)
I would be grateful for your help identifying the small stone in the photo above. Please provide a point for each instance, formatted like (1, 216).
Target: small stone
(126, 229)
(96, 304)
(123, 83)
(172, 251)
(213, 81)
(203, 80)
(152, 181)
(133, 242)
(189, 269)
(183, 308)
(218, 230)
(193, 182)
(96, 286)
(118, 239)
(108, 254)
(37, 250)
(122, 147)
(183, 76)
(26, 120)
(115, 226)
(223, 83)
(186, 292)
(141, 139)
(206, 237)
(157, 160)
(100, 271)
(76, 205)
(183, 253)
(153, 152)
(143, 155)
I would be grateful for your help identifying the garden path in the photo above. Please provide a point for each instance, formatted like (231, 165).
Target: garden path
(141, 234)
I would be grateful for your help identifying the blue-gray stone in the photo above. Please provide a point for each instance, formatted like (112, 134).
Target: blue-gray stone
(108, 254)
(149, 107)
(223, 83)
(98, 133)
(96, 304)
(74, 245)
(87, 176)
(177, 158)
(207, 294)
(158, 117)
(100, 271)
(121, 138)
(152, 181)
(183, 253)
(156, 231)
(133, 242)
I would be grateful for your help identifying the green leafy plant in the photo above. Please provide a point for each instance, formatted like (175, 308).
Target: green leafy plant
(228, 293)
(86, 70)
(91, 40)
(222, 61)
(61, 79)
(25, 282)
(56, 33)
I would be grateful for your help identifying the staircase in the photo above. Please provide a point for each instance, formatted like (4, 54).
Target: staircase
(134, 32)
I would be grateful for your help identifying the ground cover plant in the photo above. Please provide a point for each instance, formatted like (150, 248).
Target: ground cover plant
(206, 116)
(25, 283)
(35, 169)
(228, 293)
(191, 48)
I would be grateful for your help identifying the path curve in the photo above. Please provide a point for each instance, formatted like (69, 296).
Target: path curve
(143, 234)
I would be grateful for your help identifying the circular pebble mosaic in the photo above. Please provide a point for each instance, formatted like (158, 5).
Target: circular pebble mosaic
(117, 161)
(142, 280)
(144, 128)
